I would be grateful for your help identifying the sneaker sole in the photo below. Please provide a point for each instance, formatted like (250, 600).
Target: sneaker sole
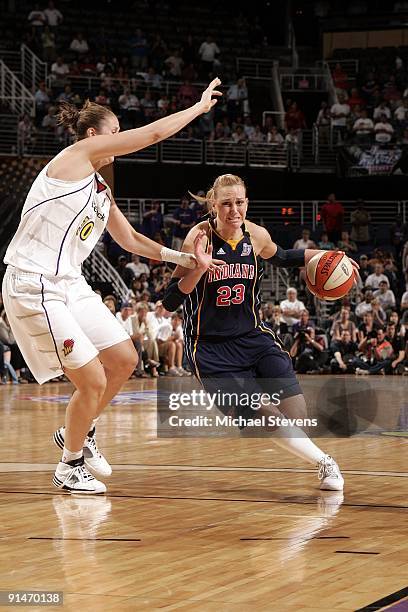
(59, 441)
(331, 488)
(59, 485)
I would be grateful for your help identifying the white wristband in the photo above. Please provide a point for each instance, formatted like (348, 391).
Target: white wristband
(187, 260)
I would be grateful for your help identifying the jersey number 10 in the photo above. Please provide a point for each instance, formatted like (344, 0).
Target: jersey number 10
(225, 292)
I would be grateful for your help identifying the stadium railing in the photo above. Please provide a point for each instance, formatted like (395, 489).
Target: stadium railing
(97, 268)
(14, 94)
(255, 66)
(33, 69)
(303, 79)
(288, 214)
(94, 83)
(180, 150)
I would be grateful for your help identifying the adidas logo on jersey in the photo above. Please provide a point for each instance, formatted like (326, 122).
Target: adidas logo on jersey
(221, 251)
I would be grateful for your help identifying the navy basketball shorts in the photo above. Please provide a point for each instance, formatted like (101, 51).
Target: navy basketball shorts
(254, 363)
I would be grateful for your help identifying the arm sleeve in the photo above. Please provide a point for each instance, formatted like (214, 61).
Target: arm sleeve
(173, 296)
(291, 258)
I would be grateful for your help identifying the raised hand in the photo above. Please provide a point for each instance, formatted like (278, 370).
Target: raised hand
(204, 258)
(207, 101)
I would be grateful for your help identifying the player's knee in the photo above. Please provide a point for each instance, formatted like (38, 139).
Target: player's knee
(126, 363)
(95, 386)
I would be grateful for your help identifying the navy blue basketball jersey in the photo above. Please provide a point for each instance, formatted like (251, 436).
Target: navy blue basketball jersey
(225, 303)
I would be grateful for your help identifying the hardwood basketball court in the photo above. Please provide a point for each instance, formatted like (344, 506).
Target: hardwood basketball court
(200, 524)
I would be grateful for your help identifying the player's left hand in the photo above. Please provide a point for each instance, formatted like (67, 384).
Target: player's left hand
(204, 258)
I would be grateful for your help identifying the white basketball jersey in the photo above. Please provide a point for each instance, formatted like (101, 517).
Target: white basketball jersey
(60, 224)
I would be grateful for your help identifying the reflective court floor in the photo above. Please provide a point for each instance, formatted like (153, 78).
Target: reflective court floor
(211, 524)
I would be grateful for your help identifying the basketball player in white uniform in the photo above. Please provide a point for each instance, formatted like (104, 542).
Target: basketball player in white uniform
(59, 323)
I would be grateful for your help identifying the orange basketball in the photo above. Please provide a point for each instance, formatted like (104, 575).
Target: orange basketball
(330, 275)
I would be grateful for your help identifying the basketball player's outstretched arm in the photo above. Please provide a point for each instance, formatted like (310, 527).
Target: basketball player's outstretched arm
(290, 258)
(102, 146)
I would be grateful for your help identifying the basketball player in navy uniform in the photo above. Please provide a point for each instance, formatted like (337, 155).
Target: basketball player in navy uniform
(60, 324)
(224, 336)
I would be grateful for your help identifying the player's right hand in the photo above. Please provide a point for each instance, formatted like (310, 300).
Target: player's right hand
(204, 258)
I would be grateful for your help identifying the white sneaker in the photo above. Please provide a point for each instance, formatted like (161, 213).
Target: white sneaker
(330, 475)
(173, 372)
(361, 372)
(76, 478)
(183, 372)
(93, 457)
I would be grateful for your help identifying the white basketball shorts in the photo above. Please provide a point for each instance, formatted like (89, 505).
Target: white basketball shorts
(57, 323)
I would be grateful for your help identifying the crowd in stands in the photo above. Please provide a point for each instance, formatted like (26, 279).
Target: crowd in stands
(149, 79)
(371, 107)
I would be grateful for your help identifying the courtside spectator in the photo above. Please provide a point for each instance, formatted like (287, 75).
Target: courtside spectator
(274, 137)
(304, 242)
(291, 307)
(137, 267)
(152, 220)
(398, 346)
(365, 306)
(347, 245)
(404, 301)
(183, 220)
(332, 214)
(342, 324)
(340, 112)
(363, 128)
(208, 52)
(382, 110)
(146, 336)
(378, 313)
(174, 64)
(364, 270)
(373, 280)
(237, 96)
(36, 19)
(383, 131)
(307, 350)
(324, 243)
(344, 350)
(124, 272)
(59, 72)
(110, 302)
(79, 45)
(295, 119)
(53, 15)
(367, 326)
(360, 219)
(385, 296)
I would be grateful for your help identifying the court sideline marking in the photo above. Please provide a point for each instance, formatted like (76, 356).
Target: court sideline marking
(134, 467)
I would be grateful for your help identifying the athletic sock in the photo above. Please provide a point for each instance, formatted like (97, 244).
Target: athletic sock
(68, 455)
(296, 441)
